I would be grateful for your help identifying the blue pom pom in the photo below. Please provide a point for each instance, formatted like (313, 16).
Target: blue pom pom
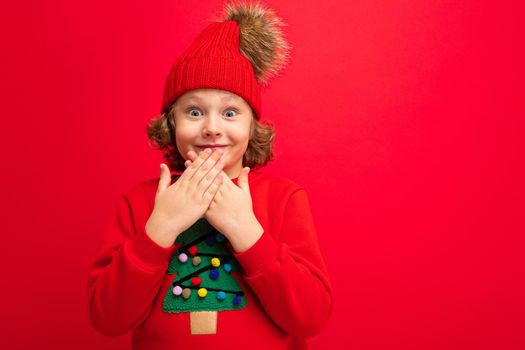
(214, 274)
(210, 241)
(237, 300)
(227, 267)
(221, 295)
(219, 237)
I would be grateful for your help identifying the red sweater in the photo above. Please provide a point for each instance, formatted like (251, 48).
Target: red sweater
(283, 277)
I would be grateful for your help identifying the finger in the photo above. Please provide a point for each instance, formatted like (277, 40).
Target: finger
(209, 177)
(213, 188)
(243, 179)
(165, 178)
(206, 166)
(226, 179)
(192, 155)
(192, 169)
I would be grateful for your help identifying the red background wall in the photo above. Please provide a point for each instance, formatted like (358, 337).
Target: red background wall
(402, 119)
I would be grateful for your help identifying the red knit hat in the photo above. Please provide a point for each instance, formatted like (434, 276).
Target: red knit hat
(238, 53)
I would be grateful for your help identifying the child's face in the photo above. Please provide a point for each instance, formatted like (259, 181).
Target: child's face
(213, 117)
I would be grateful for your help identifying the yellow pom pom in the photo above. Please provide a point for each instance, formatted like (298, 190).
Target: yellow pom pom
(202, 292)
(215, 262)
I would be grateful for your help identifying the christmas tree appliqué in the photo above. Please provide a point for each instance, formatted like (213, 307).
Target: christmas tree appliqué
(202, 267)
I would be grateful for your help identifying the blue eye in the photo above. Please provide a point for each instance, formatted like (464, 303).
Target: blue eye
(196, 112)
(231, 110)
(190, 111)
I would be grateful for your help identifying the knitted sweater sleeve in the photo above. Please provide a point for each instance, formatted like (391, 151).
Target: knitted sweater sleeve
(125, 275)
(289, 275)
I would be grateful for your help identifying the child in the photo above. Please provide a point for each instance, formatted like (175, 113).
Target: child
(217, 255)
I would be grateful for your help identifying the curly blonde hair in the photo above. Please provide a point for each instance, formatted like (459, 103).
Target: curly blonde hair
(161, 131)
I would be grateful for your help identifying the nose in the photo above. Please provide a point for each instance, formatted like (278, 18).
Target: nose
(212, 126)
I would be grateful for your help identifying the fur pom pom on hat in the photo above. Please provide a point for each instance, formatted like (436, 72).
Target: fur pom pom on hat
(261, 38)
(239, 52)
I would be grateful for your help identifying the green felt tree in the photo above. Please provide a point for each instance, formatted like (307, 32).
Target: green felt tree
(202, 283)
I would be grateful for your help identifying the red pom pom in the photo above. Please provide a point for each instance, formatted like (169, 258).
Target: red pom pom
(196, 281)
(193, 250)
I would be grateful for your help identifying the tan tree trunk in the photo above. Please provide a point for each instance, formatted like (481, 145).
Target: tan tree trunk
(203, 322)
